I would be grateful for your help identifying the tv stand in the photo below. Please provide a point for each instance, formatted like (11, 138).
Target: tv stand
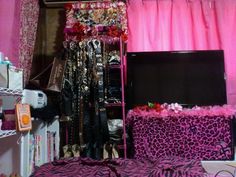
(203, 133)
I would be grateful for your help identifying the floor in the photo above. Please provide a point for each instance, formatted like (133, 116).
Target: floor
(220, 168)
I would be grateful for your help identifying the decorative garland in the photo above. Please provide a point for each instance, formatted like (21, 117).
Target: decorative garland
(175, 107)
(85, 19)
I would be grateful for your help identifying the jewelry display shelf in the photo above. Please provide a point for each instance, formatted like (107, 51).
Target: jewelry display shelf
(121, 103)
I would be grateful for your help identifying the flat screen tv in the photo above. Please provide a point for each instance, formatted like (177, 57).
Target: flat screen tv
(186, 77)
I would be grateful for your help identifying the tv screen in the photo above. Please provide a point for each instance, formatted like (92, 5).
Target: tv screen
(186, 77)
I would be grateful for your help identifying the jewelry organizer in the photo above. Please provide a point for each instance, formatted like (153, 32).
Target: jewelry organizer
(95, 35)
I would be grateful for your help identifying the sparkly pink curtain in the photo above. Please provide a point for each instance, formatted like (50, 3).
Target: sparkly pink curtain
(29, 14)
(164, 25)
(18, 26)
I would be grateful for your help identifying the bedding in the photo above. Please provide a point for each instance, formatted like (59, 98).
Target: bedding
(85, 167)
(167, 143)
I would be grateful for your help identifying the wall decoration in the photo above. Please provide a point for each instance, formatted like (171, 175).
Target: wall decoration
(86, 19)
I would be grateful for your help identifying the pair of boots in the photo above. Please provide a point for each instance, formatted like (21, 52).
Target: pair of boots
(110, 151)
(71, 151)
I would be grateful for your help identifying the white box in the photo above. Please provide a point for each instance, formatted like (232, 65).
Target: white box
(3, 76)
(15, 78)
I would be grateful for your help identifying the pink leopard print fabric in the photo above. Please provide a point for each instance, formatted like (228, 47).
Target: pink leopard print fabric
(192, 135)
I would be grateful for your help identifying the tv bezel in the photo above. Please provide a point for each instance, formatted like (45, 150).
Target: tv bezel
(130, 104)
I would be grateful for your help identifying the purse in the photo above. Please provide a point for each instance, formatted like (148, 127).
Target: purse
(55, 81)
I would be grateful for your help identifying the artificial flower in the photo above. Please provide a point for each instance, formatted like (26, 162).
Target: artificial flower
(68, 6)
(124, 36)
(78, 28)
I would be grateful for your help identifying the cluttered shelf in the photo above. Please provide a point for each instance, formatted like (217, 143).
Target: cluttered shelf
(8, 92)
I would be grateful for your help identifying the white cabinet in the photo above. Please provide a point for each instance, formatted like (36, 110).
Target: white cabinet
(9, 155)
(39, 146)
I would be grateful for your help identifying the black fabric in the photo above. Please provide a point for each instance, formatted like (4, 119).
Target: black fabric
(47, 113)
(85, 72)
(66, 99)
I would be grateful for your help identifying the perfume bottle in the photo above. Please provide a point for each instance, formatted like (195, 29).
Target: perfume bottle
(1, 111)
(1, 56)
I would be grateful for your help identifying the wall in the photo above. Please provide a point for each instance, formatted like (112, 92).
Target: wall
(49, 37)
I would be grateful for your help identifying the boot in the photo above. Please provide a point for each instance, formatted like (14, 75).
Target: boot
(67, 151)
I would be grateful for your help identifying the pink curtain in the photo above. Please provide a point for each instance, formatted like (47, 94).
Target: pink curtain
(9, 29)
(164, 25)
(18, 26)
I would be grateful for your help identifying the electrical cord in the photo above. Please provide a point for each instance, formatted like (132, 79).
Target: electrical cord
(224, 171)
